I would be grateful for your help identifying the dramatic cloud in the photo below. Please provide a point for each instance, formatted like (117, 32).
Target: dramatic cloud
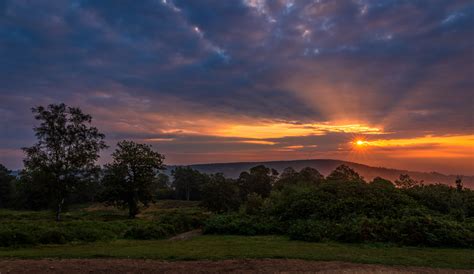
(213, 80)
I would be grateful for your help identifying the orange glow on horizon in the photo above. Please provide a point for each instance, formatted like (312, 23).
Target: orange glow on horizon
(456, 141)
(280, 130)
(460, 146)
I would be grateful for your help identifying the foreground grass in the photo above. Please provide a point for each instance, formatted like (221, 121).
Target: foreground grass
(240, 247)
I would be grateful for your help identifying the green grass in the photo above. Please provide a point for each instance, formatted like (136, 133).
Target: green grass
(239, 247)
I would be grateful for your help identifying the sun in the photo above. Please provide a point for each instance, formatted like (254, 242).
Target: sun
(360, 143)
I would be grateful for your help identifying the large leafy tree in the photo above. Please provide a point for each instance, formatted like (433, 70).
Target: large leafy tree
(220, 194)
(259, 180)
(34, 190)
(6, 187)
(345, 174)
(164, 189)
(307, 176)
(131, 179)
(381, 182)
(289, 176)
(67, 150)
(187, 182)
(405, 181)
(310, 176)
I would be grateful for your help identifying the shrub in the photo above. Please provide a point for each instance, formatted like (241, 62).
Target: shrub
(53, 236)
(182, 222)
(149, 232)
(359, 229)
(307, 230)
(60, 233)
(253, 205)
(15, 238)
(432, 231)
(410, 230)
(242, 225)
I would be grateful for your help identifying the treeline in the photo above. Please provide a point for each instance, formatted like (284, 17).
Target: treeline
(60, 170)
(343, 207)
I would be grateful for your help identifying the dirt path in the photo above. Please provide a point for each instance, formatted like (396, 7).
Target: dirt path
(187, 235)
(72, 266)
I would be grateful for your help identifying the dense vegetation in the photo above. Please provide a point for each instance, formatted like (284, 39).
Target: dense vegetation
(97, 223)
(304, 205)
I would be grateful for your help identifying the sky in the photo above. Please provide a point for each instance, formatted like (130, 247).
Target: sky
(384, 82)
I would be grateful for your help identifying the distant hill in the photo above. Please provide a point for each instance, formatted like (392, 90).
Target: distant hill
(325, 166)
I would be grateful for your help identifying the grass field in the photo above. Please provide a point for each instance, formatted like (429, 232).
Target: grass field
(235, 247)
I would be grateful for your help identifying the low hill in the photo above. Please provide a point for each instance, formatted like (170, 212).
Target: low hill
(325, 166)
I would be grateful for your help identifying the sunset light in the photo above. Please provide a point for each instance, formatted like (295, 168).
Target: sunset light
(360, 143)
(186, 128)
(278, 130)
(246, 80)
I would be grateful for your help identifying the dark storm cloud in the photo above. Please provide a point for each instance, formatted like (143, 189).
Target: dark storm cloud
(403, 65)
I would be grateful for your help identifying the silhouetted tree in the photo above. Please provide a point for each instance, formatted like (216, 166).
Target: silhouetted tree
(6, 187)
(131, 178)
(34, 190)
(253, 205)
(459, 184)
(288, 173)
(307, 176)
(163, 180)
(220, 194)
(343, 173)
(259, 180)
(164, 190)
(187, 183)
(310, 175)
(67, 149)
(405, 181)
(381, 182)
(289, 176)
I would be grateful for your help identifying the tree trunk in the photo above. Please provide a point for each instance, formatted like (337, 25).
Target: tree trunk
(59, 210)
(132, 210)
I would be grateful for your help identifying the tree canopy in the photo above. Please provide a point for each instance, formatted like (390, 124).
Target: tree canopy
(187, 183)
(67, 150)
(131, 178)
(220, 194)
(344, 173)
(259, 180)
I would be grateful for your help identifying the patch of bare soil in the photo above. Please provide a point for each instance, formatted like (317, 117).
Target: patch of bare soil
(71, 266)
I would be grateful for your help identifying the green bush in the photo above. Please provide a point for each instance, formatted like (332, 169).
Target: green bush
(311, 231)
(253, 205)
(22, 228)
(15, 238)
(53, 236)
(434, 215)
(149, 232)
(432, 231)
(410, 230)
(182, 222)
(242, 225)
(361, 229)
